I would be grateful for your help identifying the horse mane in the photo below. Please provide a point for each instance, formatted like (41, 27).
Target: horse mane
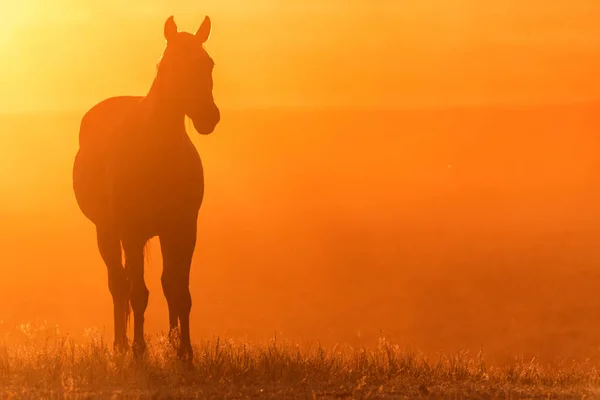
(161, 58)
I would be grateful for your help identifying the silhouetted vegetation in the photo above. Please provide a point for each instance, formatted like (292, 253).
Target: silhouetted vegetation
(42, 362)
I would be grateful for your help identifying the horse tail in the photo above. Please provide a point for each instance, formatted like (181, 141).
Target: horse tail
(128, 292)
(146, 257)
(128, 311)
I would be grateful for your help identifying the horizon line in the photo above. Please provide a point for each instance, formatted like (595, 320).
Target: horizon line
(340, 107)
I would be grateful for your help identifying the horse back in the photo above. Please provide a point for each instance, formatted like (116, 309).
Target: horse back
(100, 122)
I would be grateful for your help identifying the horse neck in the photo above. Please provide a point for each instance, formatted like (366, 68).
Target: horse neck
(162, 111)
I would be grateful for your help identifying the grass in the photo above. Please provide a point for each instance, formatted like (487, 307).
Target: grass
(39, 362)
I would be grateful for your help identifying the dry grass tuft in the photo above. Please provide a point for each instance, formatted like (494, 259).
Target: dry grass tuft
(40, 362)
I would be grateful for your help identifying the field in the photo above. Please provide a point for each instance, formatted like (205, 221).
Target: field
(445, 231)
(46, 364)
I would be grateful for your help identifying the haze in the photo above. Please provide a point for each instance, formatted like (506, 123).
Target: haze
(427, 168)
(68, 54)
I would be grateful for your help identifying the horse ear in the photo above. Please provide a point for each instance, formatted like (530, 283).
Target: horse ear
(170, 28)
(203, 33)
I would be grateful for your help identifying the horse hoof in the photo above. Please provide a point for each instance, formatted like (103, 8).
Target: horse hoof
(139, 349)
(186, 354)
(121, 346)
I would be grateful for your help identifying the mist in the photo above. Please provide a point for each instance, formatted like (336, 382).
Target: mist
(443, 229)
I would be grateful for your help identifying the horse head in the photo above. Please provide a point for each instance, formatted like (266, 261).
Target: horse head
(186, 72)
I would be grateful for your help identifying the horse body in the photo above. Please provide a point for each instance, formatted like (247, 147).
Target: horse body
(127, 174)
(138, 175)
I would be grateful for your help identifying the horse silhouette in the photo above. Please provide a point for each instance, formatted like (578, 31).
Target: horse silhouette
(137, 175)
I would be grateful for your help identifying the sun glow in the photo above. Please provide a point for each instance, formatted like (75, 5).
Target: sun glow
(318, 186)
(304, 53)
(10, 13)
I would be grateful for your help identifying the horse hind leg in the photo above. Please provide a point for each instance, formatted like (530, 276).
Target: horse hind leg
(177, 247)
(134, 265)
(167, 281)
(109, 246)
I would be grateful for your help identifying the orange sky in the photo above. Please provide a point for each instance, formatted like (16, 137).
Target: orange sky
(69, 54)
(419, 212)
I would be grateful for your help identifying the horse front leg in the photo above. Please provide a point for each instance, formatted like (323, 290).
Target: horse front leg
(109, 246)
(177, 246)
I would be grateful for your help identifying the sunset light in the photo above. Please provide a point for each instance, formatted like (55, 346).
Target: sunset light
(308, 53)
(299, 199)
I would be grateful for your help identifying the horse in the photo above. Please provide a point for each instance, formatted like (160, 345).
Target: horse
(137, 175)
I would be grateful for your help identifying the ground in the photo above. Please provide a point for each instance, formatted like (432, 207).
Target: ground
(43, 364)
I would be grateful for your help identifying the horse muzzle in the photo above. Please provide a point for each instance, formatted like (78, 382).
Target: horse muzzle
(206, 122)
